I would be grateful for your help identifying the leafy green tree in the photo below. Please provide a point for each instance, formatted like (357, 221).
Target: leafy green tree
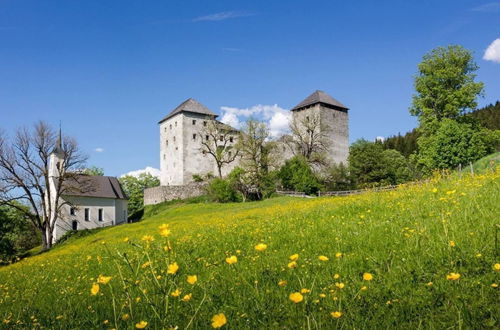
(337, 178)
(134, 188)
(397, 169)
(296, 174)
(366, 163)
(456, 143)
(222, 191)
(445, 87)
(94, 170)
(17, 235)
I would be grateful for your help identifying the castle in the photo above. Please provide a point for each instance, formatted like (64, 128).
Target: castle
(184, 129)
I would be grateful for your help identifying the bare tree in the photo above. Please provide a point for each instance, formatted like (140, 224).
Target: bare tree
(218, 140)
(28, 176)
(308, 138)
(257, 158)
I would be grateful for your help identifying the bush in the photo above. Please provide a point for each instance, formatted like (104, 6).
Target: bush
(297, 175)
(222, 191)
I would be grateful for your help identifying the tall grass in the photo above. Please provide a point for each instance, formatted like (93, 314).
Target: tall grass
(409, 240)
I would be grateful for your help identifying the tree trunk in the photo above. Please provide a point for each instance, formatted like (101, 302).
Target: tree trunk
(46, 238)
(220, 170)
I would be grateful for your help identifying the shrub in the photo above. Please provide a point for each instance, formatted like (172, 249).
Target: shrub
(297, 175)
(222, 191)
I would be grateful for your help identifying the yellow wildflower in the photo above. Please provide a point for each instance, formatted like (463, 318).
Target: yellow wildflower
(191, 279)
(261, 247)
(218, 320)
(176, 293)
(126, 239)
(323, 258)
(452, 243)
(187, 297)
(364, 288)
(95, 289)
(338, 255)
(148, 239)
(296, 297)
(125, 317)
(453, 276)
(305, 291)
(146, 264)
(103, 279)
(292, 264)
(172, 268)
(294, 257)
(367, 277)
(164, 230)
(282, 283)
(429, 283)
(434, 190)
(340, 285)
(496, 267)
(336, 314)
(141, 325)
(494, 285)
(336, 276)
(232, 260)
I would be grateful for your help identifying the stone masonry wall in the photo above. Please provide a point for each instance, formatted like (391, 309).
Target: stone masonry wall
(161, 194)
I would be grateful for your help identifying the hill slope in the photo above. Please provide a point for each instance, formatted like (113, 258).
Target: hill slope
(409, 240)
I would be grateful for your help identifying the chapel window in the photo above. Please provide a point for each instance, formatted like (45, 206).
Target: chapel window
(194, 122)
(87, 214)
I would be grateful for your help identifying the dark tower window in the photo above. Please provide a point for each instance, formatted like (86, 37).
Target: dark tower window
(206, 137)
(231, 139)
(194, 122)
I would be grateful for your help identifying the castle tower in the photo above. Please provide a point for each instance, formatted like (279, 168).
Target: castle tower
(180, 146)
(334, 122)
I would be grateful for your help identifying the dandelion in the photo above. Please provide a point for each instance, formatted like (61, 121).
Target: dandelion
(187, 297)
(126, 239)
(192, 279)
(218, 320)
(296, 297)
(292, 265)
(261, 247)
(305, 291)
(364, 288)
(232, 260)
(172, 268)
(103, 279)
(496, 267)
(282, 283)
(176, 293)
(294, 257)
(494, 285)
(164, 231)
(453, 276)
(367, 277)
(450, 192)
(322, 295)
(146, 264)
(147, 239)
(141, 325)
(336, 315)
(435, 190)
(338, 255)
(340, 285)
(323, 258)
(336, 276)
(429, 283)
(125, 317)
(95, 289)
(452, 243)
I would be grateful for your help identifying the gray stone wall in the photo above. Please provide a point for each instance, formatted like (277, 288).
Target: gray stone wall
(161, 194)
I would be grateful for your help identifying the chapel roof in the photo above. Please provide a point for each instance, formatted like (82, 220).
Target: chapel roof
(190, 105)
(322, 98)
(83, 185)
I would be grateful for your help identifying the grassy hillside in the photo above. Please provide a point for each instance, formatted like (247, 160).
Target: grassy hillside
(387, 260)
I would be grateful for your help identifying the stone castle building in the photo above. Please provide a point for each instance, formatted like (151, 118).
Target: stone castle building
(182, 155)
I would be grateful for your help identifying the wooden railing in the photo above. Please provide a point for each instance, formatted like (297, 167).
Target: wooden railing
(333, 193)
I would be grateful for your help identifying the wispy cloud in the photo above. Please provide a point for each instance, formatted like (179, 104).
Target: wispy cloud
(148, 170)
(492, 53)
(224, 15)
(488, 7)
(99, 150)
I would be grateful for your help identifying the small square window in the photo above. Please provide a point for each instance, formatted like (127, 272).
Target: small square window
(221, 138)
(194, 136)
(231, 139)
(176, 148)
(194, 122)
(170, 126)
(166, 142)
(164, 156)
(206, 137)
(175, 124)
(174, 138)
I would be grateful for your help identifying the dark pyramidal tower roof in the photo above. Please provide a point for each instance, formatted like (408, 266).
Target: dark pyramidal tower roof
(190, 105)
(322, 98)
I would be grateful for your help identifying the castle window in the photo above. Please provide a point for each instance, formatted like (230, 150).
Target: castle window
(194, 122)
(176, 148)
(99, 215)
(230, 153)
(231, 139)
(165, 129)
(194, 136)
(87, 214)
(174, 138)
(164, 156)
(175, 124)
(170, 126)
(204, 152)
(166, 142)
(72, 211)
(221, 138)
(307, 118)
(206, 137)
(204, 123)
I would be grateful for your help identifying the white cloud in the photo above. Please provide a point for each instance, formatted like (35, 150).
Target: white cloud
(222, 16)
(276, 117)
(151, 170)
(99, 150)
(492, 53)
(488, 7)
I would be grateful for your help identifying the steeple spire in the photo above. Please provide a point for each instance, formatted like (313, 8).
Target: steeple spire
(58, 148)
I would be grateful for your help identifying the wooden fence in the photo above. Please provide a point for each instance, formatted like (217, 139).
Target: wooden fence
(333, 193)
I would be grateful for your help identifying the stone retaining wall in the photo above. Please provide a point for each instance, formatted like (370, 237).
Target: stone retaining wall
(161, 194)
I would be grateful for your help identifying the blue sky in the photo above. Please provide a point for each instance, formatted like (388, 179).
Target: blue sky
(109, 70)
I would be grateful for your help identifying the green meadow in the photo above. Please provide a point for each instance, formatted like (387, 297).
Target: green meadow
(421, 256)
